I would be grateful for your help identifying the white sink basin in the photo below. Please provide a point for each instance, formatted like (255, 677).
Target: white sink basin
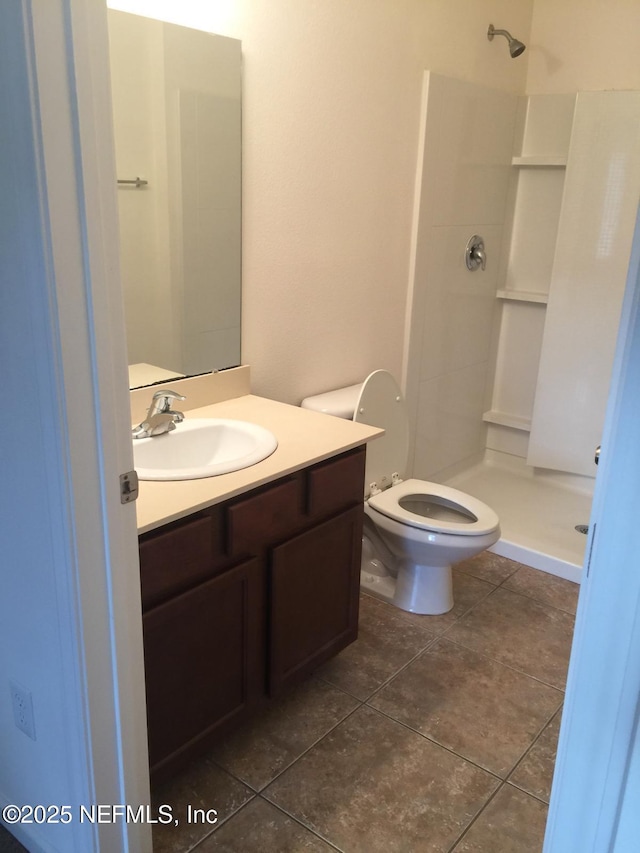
(202, 447)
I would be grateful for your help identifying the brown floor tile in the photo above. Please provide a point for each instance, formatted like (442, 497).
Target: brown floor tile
(367, 783)
(262, 828)
(545, 588)
(513, 822)
(480, 709)
(489, 567)
(267, 744)
(519, 632)
(9, 844)
(386, 642)
(201, 785)
(534, 774)
(374, 786)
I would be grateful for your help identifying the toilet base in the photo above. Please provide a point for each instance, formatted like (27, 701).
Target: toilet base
(419, 589)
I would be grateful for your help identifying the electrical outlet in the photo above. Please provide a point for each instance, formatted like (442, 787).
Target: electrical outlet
(22, 709)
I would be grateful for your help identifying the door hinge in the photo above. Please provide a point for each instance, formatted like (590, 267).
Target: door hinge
(128, 487)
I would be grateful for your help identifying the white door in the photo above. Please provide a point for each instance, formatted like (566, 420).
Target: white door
(594, 806)
(70, 616)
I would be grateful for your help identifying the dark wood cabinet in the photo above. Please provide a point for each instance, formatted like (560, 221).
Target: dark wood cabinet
(313, 601)
(244, 598)
(204, 660)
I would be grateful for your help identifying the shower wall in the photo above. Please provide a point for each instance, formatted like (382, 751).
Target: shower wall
(462, 189)
(533, 391)
(595, 233)
(575, 192)
(541, 148)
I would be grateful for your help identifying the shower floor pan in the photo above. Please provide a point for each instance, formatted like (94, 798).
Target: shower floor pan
(537, 516)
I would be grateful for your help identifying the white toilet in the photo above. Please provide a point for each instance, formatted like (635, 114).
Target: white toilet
(414, 530)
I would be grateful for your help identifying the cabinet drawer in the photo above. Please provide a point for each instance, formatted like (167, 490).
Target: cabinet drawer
(336, 484)
(264, 518)
(179, 558)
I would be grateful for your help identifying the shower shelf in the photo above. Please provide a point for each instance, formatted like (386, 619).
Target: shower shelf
(539, 162)
(504, 419)
(523, 296)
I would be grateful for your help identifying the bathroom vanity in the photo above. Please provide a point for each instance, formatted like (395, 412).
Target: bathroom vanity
(249, 580)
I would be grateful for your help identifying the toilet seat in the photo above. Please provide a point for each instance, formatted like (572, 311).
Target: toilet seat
(476, 518)
(414, 530)
(380, 404)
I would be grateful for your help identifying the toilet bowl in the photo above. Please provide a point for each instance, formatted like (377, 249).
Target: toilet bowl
(414, 530)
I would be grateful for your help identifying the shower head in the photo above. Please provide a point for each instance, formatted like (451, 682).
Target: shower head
(515, 47)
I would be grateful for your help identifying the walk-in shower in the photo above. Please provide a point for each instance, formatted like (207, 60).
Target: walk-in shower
(504, 406)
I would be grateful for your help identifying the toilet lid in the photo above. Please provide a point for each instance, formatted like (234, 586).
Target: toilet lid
(380, 404)
(431, 506)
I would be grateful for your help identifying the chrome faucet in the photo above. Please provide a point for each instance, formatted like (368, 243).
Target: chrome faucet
(161, 417)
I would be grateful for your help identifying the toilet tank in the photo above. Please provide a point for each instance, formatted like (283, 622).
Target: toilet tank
(378, 402)
(341, 402)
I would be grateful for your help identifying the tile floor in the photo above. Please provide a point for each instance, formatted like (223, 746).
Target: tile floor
(430, 733)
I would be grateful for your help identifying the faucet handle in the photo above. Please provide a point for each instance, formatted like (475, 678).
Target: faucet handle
(160, 418)
(161, 401)
(168, 394)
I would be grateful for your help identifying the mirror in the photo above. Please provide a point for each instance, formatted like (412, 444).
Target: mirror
(177, 127)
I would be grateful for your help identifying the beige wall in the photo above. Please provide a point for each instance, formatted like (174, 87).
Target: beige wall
(584, 45)
(331, 114)
(331, 110)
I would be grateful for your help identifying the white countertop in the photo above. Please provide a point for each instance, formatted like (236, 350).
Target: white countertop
(304, 437)
(146, 374)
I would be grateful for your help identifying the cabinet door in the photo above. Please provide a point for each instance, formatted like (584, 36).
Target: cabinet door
(204, 660)
(314, 589)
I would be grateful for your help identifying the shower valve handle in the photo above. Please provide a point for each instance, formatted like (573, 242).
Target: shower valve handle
(474, 255)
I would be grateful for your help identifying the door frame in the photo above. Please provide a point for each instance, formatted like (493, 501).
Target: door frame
(57, 98)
